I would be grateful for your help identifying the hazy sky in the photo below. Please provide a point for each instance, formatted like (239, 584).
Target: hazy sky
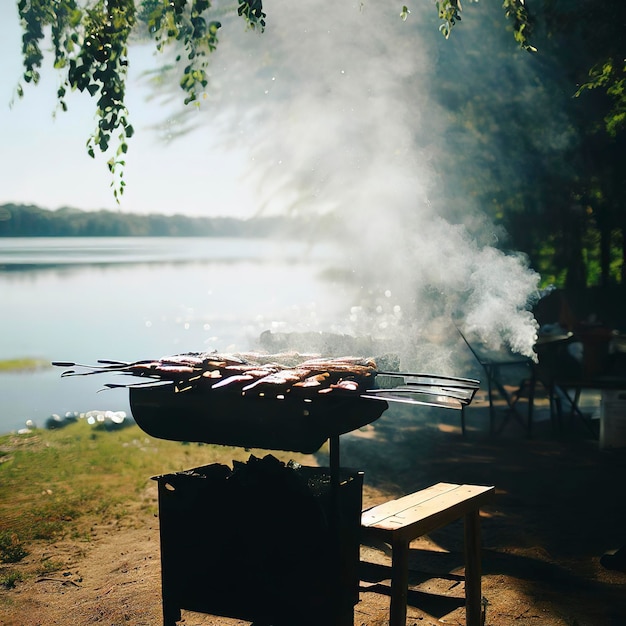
(44, 160)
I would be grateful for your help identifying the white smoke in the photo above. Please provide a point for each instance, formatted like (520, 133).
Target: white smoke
(332, 102)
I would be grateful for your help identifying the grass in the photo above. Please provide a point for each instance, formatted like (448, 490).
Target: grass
(50, 566)
(57, 483)
(11, 548)
(9, 579)
(22, 364)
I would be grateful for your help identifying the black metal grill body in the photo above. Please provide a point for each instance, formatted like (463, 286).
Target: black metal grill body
(279, 547)
(291, 422)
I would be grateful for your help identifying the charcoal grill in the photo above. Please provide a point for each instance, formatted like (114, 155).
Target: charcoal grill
(279, 546)
(263, 551)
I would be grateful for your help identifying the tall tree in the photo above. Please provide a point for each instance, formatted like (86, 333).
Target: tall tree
(555, 188)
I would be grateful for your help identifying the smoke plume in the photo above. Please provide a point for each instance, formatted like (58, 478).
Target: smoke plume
(332, 103)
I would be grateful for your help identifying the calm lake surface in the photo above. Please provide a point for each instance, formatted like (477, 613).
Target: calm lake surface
(84, 299)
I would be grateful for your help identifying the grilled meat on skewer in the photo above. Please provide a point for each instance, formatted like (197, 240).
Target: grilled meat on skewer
(260, 374)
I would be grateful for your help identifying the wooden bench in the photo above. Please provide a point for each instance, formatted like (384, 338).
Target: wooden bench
(398, 522)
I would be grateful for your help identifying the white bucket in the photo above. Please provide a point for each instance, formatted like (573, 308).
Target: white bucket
(613, 419)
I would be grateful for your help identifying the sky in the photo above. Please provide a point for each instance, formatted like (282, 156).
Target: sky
(44, 160)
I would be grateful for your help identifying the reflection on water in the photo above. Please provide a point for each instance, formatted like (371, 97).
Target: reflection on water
(131, 299)
(36, 254)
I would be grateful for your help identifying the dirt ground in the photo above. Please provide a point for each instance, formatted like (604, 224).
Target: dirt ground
(560, 505)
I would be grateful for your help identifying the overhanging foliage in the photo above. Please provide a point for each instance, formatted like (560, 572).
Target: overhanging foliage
(90, 42)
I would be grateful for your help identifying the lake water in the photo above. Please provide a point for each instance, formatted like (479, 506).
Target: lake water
(85, 299)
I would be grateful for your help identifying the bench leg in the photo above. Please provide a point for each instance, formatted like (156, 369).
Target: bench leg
(399, 581)
(473, 594)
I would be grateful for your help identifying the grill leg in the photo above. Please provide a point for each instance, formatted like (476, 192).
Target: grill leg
(171, 615)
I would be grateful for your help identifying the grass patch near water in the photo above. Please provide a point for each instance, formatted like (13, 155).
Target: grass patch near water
(55, 483)
(22, 365)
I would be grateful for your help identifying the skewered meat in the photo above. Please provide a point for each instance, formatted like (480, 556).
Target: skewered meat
(232, 380)
(281, 378)
(264, 374)
(313, 381)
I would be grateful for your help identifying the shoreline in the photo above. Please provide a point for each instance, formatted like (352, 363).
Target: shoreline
(102, 419)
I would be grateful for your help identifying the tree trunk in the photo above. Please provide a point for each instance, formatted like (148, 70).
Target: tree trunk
(576, 277)
(623, 272)
(605, 255)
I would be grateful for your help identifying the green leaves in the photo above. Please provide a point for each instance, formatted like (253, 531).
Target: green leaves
(185, 23)
(516, 11)
(90, 46)
(610, 76)
(252, 12)
(450, 12)
(90, 50)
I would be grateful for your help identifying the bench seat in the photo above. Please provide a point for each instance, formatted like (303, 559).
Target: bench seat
(398, 522)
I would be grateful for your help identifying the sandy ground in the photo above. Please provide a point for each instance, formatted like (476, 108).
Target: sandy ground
(560, 505)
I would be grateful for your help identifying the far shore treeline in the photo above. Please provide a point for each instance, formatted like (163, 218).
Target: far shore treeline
(18, 220)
